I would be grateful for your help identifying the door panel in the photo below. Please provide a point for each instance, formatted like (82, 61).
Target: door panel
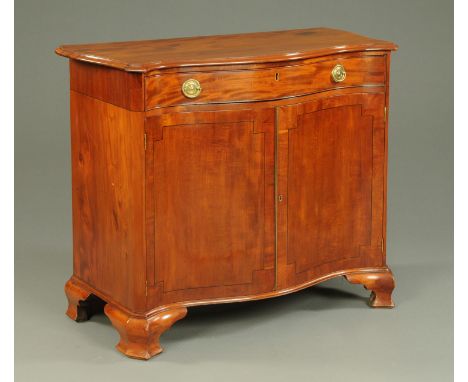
(210, 195)
(330, 181)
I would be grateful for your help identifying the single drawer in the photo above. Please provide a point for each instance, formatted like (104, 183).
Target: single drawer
(263, 84)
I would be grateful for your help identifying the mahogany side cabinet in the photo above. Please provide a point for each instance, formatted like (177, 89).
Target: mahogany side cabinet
(221, 169)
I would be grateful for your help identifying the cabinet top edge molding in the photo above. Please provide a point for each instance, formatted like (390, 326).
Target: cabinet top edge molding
(247, 48)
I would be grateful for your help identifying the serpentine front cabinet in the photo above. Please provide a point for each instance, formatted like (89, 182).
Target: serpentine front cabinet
(222, 169)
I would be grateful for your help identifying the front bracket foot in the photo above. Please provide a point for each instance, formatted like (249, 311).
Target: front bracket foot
(139, 336)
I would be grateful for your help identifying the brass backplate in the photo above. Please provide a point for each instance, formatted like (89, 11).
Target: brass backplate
(191, 88)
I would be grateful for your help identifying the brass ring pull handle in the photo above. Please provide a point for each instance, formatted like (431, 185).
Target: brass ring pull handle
(191, 88)
(338, 73)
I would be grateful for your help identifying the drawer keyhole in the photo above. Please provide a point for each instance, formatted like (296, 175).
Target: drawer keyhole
(277, 76)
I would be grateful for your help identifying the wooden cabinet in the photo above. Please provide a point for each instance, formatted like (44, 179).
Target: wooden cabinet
(224, 169)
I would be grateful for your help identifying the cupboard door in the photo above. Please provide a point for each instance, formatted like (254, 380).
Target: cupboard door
(331, 174)
(210, 204)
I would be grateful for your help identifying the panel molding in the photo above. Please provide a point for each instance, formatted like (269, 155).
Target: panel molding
(261, 126)
(300, 125)
(368, 254)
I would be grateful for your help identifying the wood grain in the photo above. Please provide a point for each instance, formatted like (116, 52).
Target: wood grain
(247, 48)
(264, 84)
(330, 178)
(108, 199)
(108, 84)
(210, 194)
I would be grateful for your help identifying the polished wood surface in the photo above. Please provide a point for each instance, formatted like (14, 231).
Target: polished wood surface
(247, 48)
(82, 303)
(381, 284)
(108, 84)
(76, 297)
(263, 84)
(108, 178)
(139, 337)
(330, 178)
(210, 202)
(270, 181)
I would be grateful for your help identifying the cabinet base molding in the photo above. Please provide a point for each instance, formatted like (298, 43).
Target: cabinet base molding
(140, 333)
(381, 285)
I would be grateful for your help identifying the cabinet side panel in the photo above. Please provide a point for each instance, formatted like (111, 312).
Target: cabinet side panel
(385, 170)
(108, 199)
(107, 84)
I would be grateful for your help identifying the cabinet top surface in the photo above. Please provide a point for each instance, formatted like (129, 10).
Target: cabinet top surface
(247, 48)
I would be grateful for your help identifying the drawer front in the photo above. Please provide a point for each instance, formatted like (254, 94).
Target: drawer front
(264, 84)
